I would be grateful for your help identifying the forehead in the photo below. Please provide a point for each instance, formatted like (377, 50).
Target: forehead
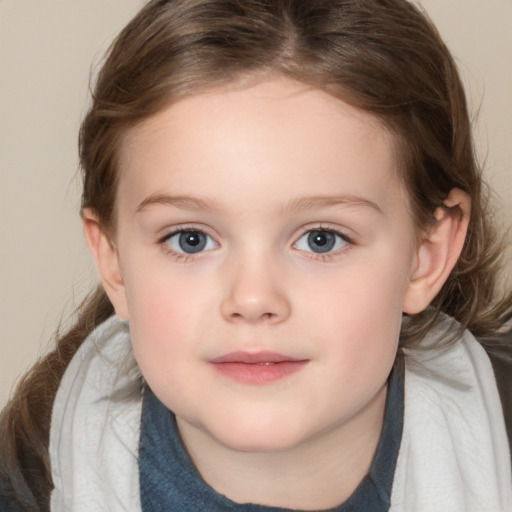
(258, 136)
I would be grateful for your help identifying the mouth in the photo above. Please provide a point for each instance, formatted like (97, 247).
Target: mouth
(257, 368)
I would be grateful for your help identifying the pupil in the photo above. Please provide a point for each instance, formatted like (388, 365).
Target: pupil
(321, 241)
(192, 242)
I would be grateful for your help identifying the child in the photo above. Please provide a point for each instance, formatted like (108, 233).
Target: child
(296, 259)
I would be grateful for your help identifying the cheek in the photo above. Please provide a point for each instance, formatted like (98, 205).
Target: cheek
(359, 295)
(162, 316)
(162, 297)
(173, 317)
(358, 315)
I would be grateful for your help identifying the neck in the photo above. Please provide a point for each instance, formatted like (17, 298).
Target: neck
(320, 473)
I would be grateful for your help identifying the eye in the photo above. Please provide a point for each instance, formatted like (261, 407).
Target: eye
(321, 241)
(190, 242)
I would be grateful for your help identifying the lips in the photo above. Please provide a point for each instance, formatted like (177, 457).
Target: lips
(257, 368)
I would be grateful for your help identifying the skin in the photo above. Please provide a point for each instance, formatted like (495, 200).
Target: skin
(256, 169)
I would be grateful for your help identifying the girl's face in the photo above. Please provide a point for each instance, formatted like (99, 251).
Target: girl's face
(265, 247)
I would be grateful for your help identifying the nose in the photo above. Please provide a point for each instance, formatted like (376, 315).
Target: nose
(255, 294)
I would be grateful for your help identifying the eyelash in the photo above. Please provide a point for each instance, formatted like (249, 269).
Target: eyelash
(182, 257)
(328, 256)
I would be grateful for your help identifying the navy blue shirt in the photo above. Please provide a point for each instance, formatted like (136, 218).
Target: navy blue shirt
(170, 482)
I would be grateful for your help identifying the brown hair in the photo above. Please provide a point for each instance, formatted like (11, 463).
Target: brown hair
(382, 56)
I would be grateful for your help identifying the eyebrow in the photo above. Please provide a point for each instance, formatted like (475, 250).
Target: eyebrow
(296, 205)
(182, 202)
(306, 203)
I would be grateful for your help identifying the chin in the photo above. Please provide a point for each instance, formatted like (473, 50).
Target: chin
(249, 438)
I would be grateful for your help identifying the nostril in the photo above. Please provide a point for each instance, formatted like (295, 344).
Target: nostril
(249, 301)
(264, 316)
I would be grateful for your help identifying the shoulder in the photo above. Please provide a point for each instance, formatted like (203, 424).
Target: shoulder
(7, 503)
(26, 478)
(17, 500)
(502, 365)
(466, 371)
(98, 405)
(452, 376)
(454, 430)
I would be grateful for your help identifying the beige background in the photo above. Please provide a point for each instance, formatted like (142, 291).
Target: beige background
(46, 48)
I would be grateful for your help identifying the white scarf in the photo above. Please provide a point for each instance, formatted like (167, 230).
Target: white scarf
(454, 455)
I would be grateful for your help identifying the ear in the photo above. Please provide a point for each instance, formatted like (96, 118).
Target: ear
(438, 251)
(107, 261)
